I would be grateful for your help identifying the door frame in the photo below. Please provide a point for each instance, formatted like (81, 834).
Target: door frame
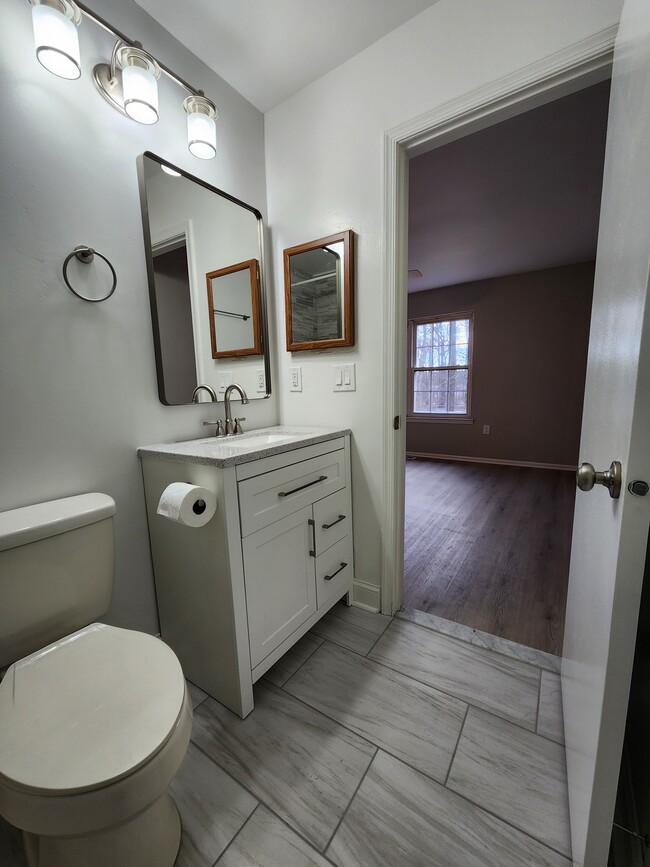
(580, 65)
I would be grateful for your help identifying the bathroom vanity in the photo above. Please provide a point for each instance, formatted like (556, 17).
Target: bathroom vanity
(237, 593)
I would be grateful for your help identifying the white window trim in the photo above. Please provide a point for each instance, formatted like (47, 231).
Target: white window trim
(437, 417)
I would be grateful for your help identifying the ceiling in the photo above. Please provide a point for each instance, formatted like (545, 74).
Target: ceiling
(270, 49)
(522, 195)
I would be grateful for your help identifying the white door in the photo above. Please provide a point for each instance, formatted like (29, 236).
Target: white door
(610, 536)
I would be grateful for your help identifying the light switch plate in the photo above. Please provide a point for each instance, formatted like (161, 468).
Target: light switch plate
(295, 379)
(344, 377)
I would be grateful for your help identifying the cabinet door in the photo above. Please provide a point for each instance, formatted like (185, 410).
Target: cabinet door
(280, 581)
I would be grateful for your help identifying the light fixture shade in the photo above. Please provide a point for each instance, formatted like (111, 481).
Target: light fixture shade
(139, 84)
(201, 126)
(140, 94)
(56, 37)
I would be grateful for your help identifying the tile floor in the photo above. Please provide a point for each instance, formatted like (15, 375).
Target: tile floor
(376, 742)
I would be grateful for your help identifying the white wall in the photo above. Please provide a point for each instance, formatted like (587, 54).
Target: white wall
(324, 168)
(78, 382)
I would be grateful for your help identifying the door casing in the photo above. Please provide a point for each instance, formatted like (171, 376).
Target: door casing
(579, 66)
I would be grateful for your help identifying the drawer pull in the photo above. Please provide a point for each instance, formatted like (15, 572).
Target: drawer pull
(329, 577)
(312, 524)
(302, 487)
(338, 521)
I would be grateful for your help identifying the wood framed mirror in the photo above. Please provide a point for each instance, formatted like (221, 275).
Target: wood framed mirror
(319, 293)
(234, 310)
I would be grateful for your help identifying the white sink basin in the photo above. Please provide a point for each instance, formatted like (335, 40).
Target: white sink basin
(257, 441)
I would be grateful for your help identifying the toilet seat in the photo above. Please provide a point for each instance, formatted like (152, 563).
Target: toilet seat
(87, 710)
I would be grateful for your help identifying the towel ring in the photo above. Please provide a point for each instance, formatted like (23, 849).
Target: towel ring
(86, 255)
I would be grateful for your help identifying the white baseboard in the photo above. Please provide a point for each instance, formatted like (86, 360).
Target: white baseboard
(498, 461)
(366, 596)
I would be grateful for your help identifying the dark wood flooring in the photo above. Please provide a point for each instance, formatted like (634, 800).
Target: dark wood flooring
(488, 546)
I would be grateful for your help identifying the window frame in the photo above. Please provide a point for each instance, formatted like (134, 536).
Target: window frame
(449, 418)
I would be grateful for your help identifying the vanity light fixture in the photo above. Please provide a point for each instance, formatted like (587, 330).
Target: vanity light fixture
(201, 127)
(55, 34)
(171, 172)
(129, 81)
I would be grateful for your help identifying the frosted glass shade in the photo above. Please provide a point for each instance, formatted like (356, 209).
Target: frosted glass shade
(201, 135)
(57, 42)
(140, 91)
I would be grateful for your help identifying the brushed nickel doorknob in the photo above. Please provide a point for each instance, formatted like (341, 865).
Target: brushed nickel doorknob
(587, 477)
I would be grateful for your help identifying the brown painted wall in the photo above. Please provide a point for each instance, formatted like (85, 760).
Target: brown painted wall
(531, 333)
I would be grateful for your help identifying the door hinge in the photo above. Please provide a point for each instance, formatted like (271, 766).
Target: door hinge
(396, 423)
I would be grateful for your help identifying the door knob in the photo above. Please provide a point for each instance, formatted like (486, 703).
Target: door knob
(587, 477)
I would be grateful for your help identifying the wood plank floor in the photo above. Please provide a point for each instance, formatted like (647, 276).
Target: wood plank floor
(488, 546)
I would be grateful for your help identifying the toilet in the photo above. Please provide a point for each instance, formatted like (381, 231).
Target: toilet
(94, 720)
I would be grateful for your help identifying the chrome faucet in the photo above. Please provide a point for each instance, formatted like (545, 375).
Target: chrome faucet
(210, 391)
(236, 429)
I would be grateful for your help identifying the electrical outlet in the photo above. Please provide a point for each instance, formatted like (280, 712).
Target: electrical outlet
(344, 377)
(261, 382)
(486, 428)
(295, 379)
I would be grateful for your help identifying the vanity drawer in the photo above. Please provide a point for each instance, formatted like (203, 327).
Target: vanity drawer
(332, 519)
(333, 579)
(271, 496)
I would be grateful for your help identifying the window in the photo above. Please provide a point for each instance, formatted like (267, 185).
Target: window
(440, 366)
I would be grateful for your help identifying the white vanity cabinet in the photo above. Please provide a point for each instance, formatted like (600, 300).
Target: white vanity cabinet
(235, 595)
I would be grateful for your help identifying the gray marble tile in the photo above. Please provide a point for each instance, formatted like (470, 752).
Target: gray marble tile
(265, 841)
(516, 774)
(197, 695)
(353, 627)
(414, 722)
(480, 677)
(280, 673)
(302, 765)
(400, 817)
(483, 639)
(213, 807)
(11, 845)
(550, 720)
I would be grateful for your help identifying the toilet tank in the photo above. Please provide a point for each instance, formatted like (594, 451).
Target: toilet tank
(56, 571)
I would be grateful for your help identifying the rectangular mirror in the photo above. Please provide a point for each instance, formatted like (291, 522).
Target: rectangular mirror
(319, 293)
(234, 299)
(204, 252)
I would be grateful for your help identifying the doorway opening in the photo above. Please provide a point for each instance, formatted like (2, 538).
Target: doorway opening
(503, 227)
(174, 311)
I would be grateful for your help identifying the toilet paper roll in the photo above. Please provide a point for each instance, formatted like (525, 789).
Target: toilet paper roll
(186, 504)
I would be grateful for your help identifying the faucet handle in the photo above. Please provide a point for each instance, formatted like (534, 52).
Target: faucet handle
(238, 427)
(219, 423)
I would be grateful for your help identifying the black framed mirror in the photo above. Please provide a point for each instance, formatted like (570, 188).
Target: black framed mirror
(192, 232)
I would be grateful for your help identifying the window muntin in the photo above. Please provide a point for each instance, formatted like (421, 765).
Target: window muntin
(440, 365)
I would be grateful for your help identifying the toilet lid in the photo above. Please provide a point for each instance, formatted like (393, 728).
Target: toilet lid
(88, 709)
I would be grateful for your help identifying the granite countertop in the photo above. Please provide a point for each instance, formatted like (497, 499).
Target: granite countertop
(250, 446)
